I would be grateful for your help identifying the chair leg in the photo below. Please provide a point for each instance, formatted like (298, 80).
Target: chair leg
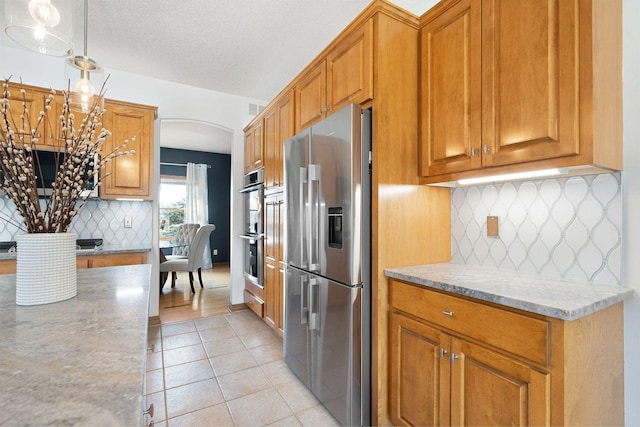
(191, 282)
(200, 277)
(173, 279)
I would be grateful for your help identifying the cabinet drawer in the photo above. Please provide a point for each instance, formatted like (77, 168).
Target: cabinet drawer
(513, 332)
(8, 266)
(254, 303)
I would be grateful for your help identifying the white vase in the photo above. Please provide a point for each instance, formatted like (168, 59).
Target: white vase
(46, 268)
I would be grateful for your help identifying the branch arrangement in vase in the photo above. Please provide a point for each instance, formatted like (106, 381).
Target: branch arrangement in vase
(75, 149)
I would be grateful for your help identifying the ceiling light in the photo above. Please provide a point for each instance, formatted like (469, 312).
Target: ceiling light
(513, 176)
(44, 26)
(44, 13)
(84, 75)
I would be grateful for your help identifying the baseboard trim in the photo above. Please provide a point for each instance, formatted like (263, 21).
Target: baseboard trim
(237, 307)
(154, 320)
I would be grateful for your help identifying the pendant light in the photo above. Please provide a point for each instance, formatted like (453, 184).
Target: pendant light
(43, 26)
(84, 75)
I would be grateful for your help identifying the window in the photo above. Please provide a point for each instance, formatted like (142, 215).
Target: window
(173, 195)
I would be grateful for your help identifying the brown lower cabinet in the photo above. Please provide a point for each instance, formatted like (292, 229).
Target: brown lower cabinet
(488, 365)
(8, 266)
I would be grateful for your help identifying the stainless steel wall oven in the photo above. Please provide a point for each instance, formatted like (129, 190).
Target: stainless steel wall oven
(253, 233)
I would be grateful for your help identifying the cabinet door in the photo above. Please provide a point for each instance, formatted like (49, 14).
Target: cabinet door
(270, 262)
(253, 147)
(54, 129)
(270, 293)
(270, 228)
(29, 106)
(273, 270)
(257, 147)
(248, 146)
(418, 373)
(311, 97)
(491, 389)
(350, 69)
(271, 149)
(285, 131)
(128, 176)
(450, 90)
(530, 80)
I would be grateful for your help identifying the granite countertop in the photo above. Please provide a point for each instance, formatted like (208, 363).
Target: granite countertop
(542, 295)
(80, 361)
(102, 250)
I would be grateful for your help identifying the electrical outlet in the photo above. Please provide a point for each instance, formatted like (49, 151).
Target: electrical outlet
(492, 226)
(127, 222)
(215, 252)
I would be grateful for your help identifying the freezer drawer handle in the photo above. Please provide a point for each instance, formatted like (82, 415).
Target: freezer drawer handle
(313, 304)
(304, 299)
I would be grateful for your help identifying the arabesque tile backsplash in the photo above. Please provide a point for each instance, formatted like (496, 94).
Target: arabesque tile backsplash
(97, 219)
(569, 228)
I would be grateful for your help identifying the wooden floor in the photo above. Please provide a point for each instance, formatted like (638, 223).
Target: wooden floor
(180, 304)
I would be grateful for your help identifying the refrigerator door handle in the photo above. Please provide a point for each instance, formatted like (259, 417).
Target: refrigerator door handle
(314, 220)
(313, 304)
(302, 199)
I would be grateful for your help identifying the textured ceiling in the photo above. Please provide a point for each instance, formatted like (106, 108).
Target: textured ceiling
(251, 48)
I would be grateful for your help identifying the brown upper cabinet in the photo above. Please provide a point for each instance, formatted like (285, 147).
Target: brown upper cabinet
(344, 76)
(285, 131)
(129, 176)
(125, 177)
(278, 127)
(536, 84)
(270, 124)
(34, 100)
(253, 147)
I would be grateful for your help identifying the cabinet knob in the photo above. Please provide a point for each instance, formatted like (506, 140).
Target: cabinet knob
(454, 357)
(486, 149)
(448, 313)
(474, 152)
(443, 352)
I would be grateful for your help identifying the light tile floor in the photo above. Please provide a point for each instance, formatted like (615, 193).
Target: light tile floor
(225, 370)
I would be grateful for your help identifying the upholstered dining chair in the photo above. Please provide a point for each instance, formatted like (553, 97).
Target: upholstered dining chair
(191, 262)
(182, 242)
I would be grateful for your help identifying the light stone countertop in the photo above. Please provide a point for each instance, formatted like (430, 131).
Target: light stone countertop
(80, 361)
(542, 295)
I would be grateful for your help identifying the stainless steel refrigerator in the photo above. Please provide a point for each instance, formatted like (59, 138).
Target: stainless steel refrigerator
(327, 338)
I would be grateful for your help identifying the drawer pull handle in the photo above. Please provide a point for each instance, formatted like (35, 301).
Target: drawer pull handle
(453, 358)
(448, 313)
(443, 352)
(149, 411)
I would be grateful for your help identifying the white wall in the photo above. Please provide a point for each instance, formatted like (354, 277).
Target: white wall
(173, 101)
(631, 206)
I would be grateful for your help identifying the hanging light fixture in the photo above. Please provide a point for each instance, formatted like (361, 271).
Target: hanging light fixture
(84, 75)
(44, 26)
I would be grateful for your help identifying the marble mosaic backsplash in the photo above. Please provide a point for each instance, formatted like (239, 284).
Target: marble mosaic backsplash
(568, 228)
(97, 219)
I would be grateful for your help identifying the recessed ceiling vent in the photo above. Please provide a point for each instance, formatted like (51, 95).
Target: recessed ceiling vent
(254, 109)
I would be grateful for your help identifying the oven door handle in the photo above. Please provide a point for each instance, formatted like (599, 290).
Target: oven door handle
(254, 187)
(254, 237)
